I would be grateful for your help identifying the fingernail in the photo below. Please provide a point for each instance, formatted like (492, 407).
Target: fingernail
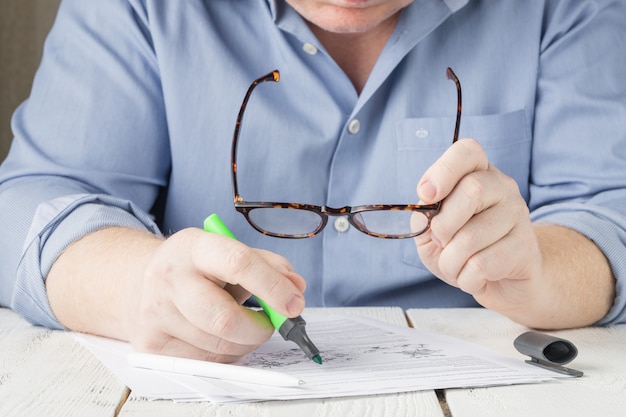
(295, 305)
(427, 191)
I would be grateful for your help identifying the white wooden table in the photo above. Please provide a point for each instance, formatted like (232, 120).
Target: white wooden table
(601, 356)
(47, 373)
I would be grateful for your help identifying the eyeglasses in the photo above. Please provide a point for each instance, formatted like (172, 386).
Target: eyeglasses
(295, 220)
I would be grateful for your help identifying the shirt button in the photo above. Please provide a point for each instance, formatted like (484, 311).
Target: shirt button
(309, 48)
(341, 224)
(354, 126)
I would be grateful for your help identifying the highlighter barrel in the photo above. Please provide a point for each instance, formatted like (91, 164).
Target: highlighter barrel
(289, 329)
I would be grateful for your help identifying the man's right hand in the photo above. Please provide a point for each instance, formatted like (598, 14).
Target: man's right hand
(180, 296)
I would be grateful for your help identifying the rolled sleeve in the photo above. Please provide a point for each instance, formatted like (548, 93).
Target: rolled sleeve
(607, 229)
(56, 224)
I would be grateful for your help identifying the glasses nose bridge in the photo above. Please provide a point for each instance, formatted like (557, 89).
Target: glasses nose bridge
(332, 211)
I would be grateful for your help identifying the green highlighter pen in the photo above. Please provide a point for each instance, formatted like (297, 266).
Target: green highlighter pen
(290, 329)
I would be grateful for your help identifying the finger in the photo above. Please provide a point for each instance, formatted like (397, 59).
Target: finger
(474, 194)
(463, 157)
(233, 262)
(281, 264)
(178, 348)
(429, 252)
(487, 228)
(496, 264)
(208, 346)
(215, 312)
(171, 334)
(174, 340)
(162, 321)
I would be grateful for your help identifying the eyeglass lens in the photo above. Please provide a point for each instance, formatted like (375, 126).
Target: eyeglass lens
(287, 221)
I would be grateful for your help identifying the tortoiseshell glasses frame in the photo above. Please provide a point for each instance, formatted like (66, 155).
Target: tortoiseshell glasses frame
(307, 220)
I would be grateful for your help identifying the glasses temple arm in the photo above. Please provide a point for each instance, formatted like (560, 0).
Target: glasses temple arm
(452, 76)
(272, 76)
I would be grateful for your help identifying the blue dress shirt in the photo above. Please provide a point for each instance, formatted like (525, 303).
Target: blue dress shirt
(132, 113)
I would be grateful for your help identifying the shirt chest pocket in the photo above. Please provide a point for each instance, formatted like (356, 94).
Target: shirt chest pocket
(506, 139)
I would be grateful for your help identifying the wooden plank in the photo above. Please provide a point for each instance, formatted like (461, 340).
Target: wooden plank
(47, 373)
(397, 405)
(424, 403)
(601, 392)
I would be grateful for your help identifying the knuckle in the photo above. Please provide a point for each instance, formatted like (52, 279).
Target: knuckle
(159, 271)
(223, 321)
(477, 268)
(147, 310)
(523, 212)
(219, 358)
(473, 188)
(448, 272)
(240, 261)
(272, 286)
(448, 167)
(145, 341)
(155, 272)
(439, 228)
(469, 238)
(222, 347)
(225, 348)
(473, 147)
(471, 144)
(522, 208)
(510, 183)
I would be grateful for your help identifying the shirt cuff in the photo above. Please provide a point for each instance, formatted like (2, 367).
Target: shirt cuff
(56, 225)
(607, 229)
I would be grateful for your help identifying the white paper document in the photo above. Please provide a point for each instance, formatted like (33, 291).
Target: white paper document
(360, 357)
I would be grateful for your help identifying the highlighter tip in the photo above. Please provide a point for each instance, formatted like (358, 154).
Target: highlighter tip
(317, 359)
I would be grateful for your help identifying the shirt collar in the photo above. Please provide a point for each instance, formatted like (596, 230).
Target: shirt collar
(455, 5)
(273, 7)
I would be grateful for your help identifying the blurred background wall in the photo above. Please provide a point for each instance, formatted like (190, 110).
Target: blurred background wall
(24, 25)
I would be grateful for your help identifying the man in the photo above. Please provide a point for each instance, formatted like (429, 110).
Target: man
(131, 119)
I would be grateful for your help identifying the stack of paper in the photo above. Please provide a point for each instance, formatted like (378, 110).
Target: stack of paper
(360, 357)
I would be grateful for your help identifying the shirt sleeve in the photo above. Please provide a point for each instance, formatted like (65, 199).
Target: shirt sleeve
(56, 224)
(93, 127)
(579, 155)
